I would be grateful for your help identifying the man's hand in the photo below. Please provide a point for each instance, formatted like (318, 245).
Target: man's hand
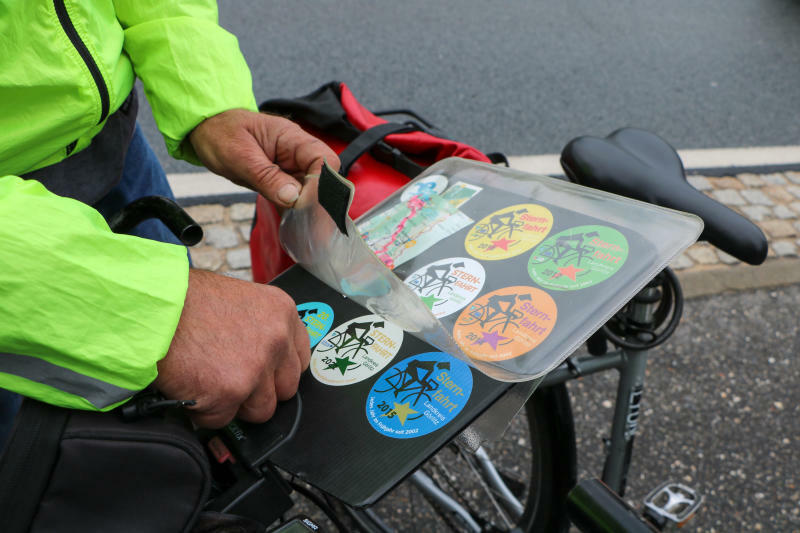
(239, 347)
(262, 152)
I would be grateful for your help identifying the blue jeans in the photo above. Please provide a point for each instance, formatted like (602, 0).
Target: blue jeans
(142, 175)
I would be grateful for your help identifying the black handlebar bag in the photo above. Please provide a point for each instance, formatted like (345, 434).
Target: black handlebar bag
(67, 470)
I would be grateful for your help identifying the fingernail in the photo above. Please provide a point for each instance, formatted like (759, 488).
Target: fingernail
(288, 193)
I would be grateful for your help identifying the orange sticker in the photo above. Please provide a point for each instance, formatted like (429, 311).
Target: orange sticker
(505, 323)
(509, 232)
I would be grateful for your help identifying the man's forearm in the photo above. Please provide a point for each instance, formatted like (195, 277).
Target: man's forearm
(88, 313)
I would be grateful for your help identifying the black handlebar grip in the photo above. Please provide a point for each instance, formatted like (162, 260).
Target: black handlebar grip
(171, 214)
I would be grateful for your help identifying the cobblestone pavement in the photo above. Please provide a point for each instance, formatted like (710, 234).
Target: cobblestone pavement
(772, 201)
(226, 234)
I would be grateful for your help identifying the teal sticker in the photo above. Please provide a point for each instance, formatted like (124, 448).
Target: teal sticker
(419, 395)
(318, 318)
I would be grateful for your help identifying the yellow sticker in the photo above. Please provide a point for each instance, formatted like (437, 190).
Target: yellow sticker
(509, 232)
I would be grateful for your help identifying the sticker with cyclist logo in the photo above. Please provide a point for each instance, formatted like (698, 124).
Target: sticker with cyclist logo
(355, 350)
(318, 318)
(578, 258)
(419, 395)
(447, 285)
(509, 232)
(425, 187)
(505, 323)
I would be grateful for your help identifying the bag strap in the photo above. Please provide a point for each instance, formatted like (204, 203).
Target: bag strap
(367, 140)
(498, 158)
(28, 461)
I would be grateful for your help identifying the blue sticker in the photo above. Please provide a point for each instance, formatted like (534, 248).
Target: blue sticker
(318, 318)
(419, 395)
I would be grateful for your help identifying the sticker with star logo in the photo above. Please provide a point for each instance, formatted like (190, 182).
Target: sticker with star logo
(509, 232)
(505, 323)
(447, 285)
(578, 258)
(419, 395)
(355, 350)
(318, 318)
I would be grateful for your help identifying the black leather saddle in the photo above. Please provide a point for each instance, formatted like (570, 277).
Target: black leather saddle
(641, 165)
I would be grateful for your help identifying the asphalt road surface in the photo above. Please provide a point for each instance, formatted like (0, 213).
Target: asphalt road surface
(525, 77)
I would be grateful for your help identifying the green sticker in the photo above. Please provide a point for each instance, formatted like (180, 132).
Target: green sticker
(578, 258)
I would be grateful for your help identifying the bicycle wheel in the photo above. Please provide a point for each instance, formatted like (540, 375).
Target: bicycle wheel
(535, 460)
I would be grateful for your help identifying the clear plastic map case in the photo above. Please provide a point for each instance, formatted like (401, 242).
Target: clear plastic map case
(520, 269)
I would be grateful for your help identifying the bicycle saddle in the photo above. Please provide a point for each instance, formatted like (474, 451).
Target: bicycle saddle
(641, 165)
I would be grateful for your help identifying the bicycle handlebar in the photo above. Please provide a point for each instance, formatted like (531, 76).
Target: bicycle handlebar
(171, 214)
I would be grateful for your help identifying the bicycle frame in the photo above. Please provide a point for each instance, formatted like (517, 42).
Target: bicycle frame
(631, 365)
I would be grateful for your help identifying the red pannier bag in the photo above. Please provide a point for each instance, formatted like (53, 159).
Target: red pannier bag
(377, 156)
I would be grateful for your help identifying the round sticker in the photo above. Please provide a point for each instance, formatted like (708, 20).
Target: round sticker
(509, 232)
(355, 350)
(433, 184)
(419, 395)
(318, 318)
(448, 285)
(505, 323)
(578, 258)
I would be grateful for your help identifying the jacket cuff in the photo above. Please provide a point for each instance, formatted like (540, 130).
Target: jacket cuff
(191, 70)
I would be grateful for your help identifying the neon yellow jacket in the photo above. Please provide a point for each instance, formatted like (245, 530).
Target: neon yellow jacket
(85, 314)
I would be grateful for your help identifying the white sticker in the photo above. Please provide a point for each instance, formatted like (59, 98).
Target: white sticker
(433, 184)
(355, 350)
(447, 285)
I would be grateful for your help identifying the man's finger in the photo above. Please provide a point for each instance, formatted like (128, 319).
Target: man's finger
(260, 406)
(302, 344)
(267, 177)
(213, 418)
(310, 155)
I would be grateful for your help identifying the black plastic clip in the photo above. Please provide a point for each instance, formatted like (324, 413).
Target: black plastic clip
(149, 403)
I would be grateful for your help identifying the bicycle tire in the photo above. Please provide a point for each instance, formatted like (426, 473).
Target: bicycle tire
(546, 421)
(549, 410)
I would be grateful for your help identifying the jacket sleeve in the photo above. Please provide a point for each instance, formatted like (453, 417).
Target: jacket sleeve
(191, 68)
(86, 313)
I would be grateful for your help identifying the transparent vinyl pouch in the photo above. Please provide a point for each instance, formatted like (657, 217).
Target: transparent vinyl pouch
(505, 270)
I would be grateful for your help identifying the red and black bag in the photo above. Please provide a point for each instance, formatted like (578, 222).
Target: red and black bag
(378, 156)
